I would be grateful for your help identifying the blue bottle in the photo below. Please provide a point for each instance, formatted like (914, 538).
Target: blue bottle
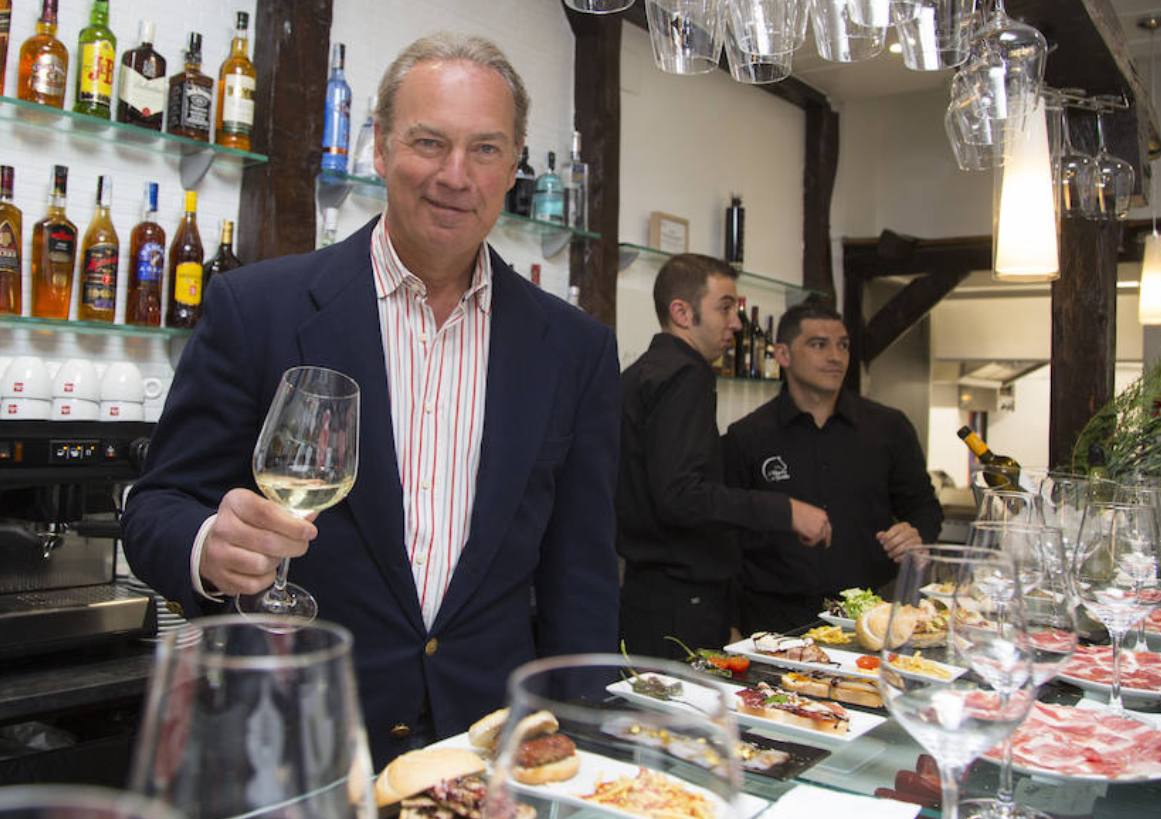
(337, 120)
(548, 200)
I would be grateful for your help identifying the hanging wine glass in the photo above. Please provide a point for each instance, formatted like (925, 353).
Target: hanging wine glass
(1077, 175)
(1113, 176)
(1007, 68)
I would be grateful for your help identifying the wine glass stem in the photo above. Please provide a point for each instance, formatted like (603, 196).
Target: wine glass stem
(949, 777)
(1005, 794)
(1115, 695)
(279, 587)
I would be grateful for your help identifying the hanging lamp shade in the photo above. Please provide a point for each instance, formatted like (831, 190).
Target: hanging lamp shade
(1149, 296)
(1025, 244)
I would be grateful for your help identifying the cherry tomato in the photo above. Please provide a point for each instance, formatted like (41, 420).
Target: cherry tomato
(867, 662)
(719, 662)
(738, 664)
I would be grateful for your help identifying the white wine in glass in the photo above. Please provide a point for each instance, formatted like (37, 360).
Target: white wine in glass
(305, 460)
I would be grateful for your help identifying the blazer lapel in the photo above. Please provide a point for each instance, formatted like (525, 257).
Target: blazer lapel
(521, 385)
(345, 336)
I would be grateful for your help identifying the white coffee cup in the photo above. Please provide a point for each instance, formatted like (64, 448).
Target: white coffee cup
(21, 409)
(123, 382)
(27, 377)
(77, 378)
(74, 409)
(122, 411)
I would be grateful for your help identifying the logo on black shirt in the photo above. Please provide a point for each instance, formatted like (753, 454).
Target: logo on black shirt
(775, 469)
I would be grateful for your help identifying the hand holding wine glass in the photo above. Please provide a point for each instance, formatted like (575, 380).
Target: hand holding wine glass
(305, 460)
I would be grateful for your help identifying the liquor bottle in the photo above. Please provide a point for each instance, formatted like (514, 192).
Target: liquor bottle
(548, 201)
(44, 62)
(10, 237)
(186, 276)
(770, 363)
(576, 186)
(54, 253)
(735, 231)
(330, 227)
(519, 198)
(337, 117)
(1000, 471)
(224, 259)
(574, 296)
(757, 342)
(726, 367)
(741, 342)
(363, 163)
(534, 275)
(191, 96)
(100, 251)
(141, 87)
(146, 265)
(236, 82)
(96, 56)
(5, 25)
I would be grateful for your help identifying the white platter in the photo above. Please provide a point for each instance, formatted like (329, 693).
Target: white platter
(1141, 694)
(696, 698)
(843, 661)
(835, 620)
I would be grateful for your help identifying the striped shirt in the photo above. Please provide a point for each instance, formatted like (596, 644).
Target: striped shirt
(437, 378)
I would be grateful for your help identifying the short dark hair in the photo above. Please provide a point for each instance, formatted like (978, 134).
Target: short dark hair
(790, 325)
(684, 277)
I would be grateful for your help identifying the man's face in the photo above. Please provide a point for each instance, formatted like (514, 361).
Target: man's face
(817, 358)
(717, 320)
(450, 156)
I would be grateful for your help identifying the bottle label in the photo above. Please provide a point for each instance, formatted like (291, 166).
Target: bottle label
(337, 125)
(96, 73)
(62, 254)
(149, 263)
(238, 105)
(140, 93)
(187, 288)
(191, 103)
(99, 277)
(9, 249)
(48, 75)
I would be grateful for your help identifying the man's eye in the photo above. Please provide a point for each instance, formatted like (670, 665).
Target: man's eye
(427, 144)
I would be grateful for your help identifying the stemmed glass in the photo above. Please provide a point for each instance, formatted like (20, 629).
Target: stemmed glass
(1115, 572)
(983, 687)
(1009, 505)
(1113, 176)
(1063, 498)
(1149, 495)
(1007, 68)
(1077, 175)
(305, 460)
(247, 717)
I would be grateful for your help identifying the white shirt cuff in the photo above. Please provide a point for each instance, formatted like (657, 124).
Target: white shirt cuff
(195, 560)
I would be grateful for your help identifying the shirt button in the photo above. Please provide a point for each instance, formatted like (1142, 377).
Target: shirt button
(425, 485)
(428, 408)
(401, 730)
(419, 560)
(431, 647)
(423, 338)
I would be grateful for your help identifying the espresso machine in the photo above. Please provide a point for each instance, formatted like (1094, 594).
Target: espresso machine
(60, 490)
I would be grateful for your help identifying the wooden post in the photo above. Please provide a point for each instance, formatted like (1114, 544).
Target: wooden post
(1084, 331)
(818, 175)
(277, 209)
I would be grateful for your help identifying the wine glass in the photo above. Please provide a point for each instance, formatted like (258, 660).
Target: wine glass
(305, 460)
(1115, 572)
(65, 801)
(670, 730)
(1077, 175)
(1148, 494)
(1113, 176)
(246, 716)
(969, 691)
(1009, 505)
(1063, 497)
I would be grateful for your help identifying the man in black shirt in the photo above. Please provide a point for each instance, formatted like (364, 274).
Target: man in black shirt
(675, 516)
(855, 458)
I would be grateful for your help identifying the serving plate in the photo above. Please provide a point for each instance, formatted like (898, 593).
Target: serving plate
(1129, 661)
(843, 622)
(843, 662)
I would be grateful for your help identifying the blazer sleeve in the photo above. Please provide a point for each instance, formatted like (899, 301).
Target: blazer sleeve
(576, 579)
(200, 450)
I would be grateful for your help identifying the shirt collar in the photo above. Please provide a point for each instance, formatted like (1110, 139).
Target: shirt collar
(680, 345)
(390, 273)
(786, 411)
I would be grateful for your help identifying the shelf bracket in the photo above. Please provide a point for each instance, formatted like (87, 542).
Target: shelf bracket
(554, 241)
(626, 256)
(194, 165)
(330, 191)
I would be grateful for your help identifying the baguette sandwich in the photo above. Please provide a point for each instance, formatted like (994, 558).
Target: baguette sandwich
(830, 686)
(789, 708)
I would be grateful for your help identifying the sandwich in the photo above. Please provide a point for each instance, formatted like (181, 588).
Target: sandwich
(920, 626)
(789, 708)
(833, 687)
(795, 649)
(433, 778)
(543, 754)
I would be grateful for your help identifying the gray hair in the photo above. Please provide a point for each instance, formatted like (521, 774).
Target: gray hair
(448, 46)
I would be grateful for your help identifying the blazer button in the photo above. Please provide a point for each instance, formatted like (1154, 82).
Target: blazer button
(400, 730)
(431, 647)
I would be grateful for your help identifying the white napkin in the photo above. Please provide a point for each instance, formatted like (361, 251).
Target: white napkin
(809, 802)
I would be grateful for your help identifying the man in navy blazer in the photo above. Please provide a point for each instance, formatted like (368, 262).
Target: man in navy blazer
(450, 127)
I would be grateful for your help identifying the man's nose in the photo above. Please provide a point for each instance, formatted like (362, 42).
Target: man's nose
(453, 172)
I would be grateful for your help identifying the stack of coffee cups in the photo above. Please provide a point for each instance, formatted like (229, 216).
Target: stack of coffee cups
(76, 391)
(26, 391)
(124, 390)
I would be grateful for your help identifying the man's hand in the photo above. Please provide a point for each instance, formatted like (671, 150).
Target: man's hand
(247, 541)
(810, 523)
(899, 539)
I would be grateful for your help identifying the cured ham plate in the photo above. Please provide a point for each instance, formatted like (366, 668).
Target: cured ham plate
(1091, 668)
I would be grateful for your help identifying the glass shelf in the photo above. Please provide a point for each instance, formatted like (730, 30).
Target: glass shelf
(195, 157)
(332, 190)
(628, 253)
(100, 328)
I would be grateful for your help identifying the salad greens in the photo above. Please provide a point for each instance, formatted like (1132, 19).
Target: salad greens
(854, 602)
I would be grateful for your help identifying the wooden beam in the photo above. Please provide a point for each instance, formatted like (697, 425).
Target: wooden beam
(277, 209)
(906, 308)
(818, 176)
(893, 254)
(1084, 331)
(852, 312)
(597, 100)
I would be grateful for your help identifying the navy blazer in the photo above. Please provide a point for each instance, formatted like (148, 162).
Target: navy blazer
(543, 516)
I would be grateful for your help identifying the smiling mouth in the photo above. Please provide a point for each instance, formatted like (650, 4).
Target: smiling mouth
(445, 206)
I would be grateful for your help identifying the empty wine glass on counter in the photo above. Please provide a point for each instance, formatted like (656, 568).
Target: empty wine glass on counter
(255, 716)
(306, 460)
(1009, 505)
(79, 802)
(1114, 176)
(1063, 497)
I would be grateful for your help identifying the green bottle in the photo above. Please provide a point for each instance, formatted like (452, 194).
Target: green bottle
(97, 53)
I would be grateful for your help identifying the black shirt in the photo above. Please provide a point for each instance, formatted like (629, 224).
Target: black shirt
(864, 467)
(674, 511)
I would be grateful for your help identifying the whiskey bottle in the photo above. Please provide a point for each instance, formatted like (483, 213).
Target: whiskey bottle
(224, 259)
(146, 265)
(757, 344)
(141, 88)
(44, 62)
(337, 116)
(741, 342)
(576, 187)
(5, 26)
(54, 253)
(96, 56)
(186, 276)
(100, 252)
(548, 201)
(770, 370)
(10, 238)
(191, 96)
(236, 82)
(519, 199)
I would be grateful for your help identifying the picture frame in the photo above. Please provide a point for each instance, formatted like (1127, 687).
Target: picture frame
(668, 233)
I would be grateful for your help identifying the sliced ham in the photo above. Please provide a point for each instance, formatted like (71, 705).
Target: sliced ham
(1139, 669)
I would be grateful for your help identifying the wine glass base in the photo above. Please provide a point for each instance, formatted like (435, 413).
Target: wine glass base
(992, 809)
(293, 602)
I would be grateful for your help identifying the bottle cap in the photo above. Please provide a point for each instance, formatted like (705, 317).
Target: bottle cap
(191, 201)
(48, 12)
(243, 21)
(7, 175)
(576, 143)
(338, 55)
(60, 179)
(145, 31)
(195, 46)
(151, 197)
(227, 232)
(105, 191)
(330, 218)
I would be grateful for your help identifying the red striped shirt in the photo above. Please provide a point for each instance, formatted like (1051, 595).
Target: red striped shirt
(437, 379)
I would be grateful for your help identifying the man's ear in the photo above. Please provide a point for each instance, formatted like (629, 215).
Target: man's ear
(681, 314)
(782, 354)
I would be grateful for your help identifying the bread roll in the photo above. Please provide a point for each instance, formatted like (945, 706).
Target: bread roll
(871, 626)
(484, 733)
(552, 772)
(417, 771)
